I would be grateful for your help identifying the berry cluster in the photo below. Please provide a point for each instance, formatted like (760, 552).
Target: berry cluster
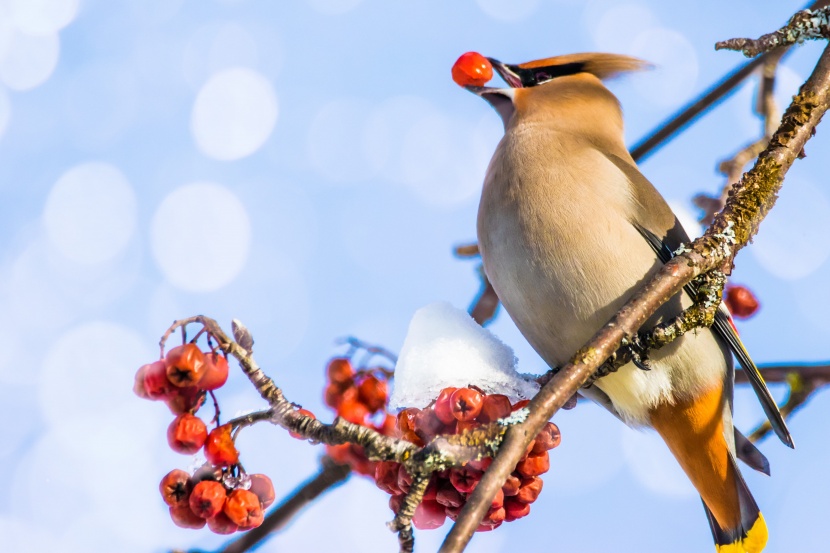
(359, 396)
(220, 494)
(213, 497)
(454, 411)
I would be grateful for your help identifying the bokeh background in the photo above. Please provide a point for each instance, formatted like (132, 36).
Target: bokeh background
(307, 167)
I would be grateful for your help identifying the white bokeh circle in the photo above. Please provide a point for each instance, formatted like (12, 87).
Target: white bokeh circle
(90, 213)
(41, 17)
(29, 60)
(794, 240)
(508, 11)
(334, 7)
(234, 114)
(675, 65)
(201, 236)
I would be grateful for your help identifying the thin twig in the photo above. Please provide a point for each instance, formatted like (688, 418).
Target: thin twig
(804, 25)
(747, 206)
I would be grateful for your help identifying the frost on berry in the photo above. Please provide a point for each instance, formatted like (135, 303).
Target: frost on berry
(263, 488)
(207, 499)
(175, 488)
(219, 447)
(244, 509)
(185, 365)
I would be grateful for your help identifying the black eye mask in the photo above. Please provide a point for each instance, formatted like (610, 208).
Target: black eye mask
(529, 77)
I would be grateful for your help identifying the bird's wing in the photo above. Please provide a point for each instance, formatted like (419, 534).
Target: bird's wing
(656, 218)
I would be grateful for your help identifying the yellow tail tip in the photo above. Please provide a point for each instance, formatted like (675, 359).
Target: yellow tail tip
(753, 542)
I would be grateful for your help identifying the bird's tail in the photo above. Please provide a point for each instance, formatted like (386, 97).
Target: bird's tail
(751, 535)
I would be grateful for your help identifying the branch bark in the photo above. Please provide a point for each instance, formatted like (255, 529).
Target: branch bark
(748, 203)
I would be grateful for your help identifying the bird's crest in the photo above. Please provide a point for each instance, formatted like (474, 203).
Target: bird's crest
(603, 66)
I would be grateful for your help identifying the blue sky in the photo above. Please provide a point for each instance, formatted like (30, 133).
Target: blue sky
(353, 168)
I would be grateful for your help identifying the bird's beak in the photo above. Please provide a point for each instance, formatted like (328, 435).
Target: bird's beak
(512, 74)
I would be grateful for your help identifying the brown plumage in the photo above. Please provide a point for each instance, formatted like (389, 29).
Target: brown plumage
(569, 229)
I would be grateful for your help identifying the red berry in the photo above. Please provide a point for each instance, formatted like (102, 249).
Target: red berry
(429, 515)
(406, 420)
(221, 524)
(185, 365)
(741, 302)
(216, 371)
(495, 406)
(175, 488)
(244, 509)
(185, 400)
(219, 447)
(442, 408)
(472, 69)
(183, 517)
(548, 438)
(307, 413)
(534, 465)
(156, 384)
(262, 486)
(448, 496)
(138, 384)
(515, 509)
(340, 371)
(465, 479)
(495, 516)
(353, 411)
(395, 503)
(466, 426)
(335, 393)
(339, 453)
(498, 500)
(388, 426)
(520, 404)
(466, 404)
(373, 393)
(186, 434)
(207, 499)
(404, 479)
(530, 490)
(386, 476)
(481, 464)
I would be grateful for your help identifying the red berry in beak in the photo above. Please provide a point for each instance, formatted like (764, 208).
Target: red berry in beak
(472, 69)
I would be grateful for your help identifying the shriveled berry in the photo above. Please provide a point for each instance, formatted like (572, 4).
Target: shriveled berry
(335, 393)
(185, 400)
(340, 371)
(466, 426)
(215, 373)
(207, 499)
(221, 524)
(741, 302)
(481, 464)
(465, 479)
(512, 485)
(307, 413)
(156, 383)
(244, 509)
(534, 465)
(406, 419)
(262, 486)
(175, 488)
(219, 447)
(373, 393)
(186, 434)
(498, 500)
(548, 438)
(466, 404)
(138, 384)
(530, 490)
(442, 408)
(448, 496)
(515, 509)
(495, 516)
(386, 476)
(183, 517)
(429, 515)
(185, 365)
(495, 406)
(427, 425)
(472, 69)
(404, 479)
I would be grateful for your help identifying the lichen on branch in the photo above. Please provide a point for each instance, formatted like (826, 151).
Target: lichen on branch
(804, 25)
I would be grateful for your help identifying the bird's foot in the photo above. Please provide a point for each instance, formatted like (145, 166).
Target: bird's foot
(631, 350)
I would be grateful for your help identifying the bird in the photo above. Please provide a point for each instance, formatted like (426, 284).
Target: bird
(568, 230)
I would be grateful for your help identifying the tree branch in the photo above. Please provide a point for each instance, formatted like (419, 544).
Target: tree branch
(807, 24)
(748, 203)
